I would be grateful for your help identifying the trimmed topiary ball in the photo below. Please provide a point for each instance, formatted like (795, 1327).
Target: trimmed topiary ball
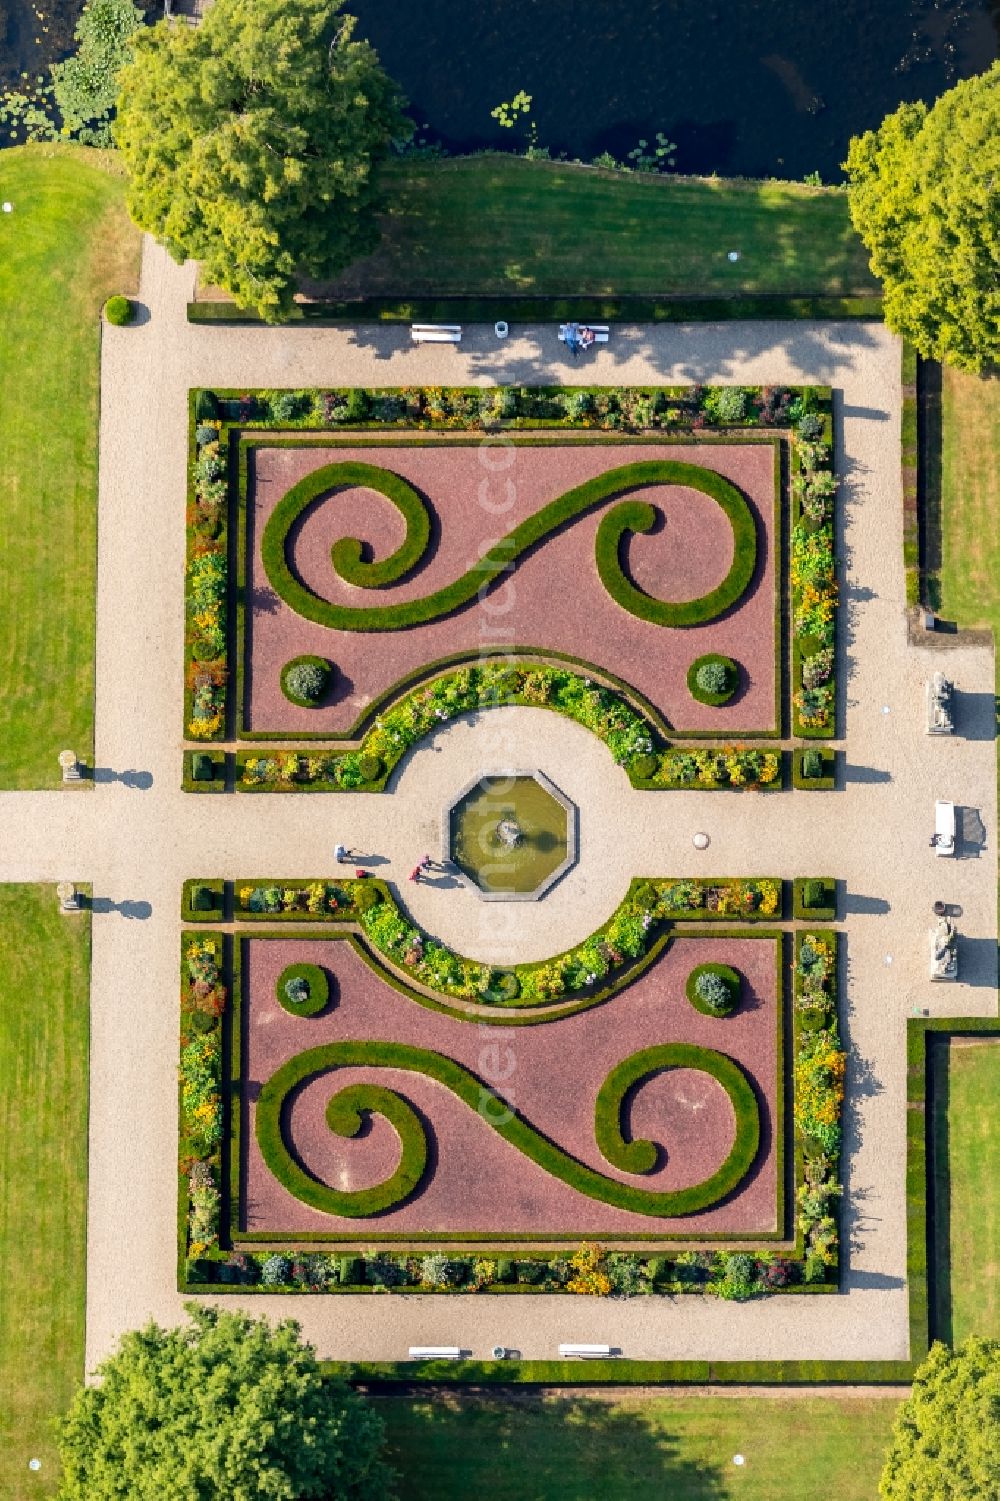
(305, 681)
(118, 310)
(371, 767)
(644, 767)
(366, 896)
(712, 677)
(303, 989)
(714, 989)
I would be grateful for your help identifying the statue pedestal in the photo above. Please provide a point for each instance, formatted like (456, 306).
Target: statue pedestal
(69, 897)
(70, 766)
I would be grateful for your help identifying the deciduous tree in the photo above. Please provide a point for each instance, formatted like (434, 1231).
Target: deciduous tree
(946, 1439)
(925, 198)
(253, 142)
(225, 1406)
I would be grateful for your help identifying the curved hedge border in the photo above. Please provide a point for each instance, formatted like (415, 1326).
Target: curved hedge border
(713, 699)
(296, 698)
(319, 989)
(612, 536)
(642, 1156)
(725, 972)
(345, 1111)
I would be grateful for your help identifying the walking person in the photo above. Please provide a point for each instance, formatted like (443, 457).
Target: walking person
(415, 874)
(341, 854)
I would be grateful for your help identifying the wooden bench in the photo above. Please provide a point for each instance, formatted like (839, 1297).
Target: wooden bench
(435, 1352)
(584, 1352)
(436, 333)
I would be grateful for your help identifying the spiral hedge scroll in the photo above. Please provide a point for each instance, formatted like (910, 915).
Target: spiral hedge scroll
(616, 526)
(349, 1107)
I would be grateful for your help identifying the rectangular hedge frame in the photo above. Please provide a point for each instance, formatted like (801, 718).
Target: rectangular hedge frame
(539, 433)
(233, 1051)
(235, 536)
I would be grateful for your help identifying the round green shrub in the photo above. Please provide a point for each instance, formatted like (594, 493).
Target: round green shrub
(205, 434)
(275, 1271)
(289, 406)
(303, 989)
(118, 310)
(371, 768)
(713, 679)
(366, 897)
(206, 408)
(714, 989)
(508, 985)
(643, 767)
(306, 680)
(203, 899)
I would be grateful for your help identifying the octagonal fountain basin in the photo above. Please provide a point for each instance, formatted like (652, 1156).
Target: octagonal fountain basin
(510, 835)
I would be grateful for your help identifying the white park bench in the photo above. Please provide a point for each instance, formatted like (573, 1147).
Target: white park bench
(944, 828)
(436, 333)
(584, 1352)
(600, 331)
(435, 1352)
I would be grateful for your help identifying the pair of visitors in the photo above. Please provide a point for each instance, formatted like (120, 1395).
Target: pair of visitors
(425, 864)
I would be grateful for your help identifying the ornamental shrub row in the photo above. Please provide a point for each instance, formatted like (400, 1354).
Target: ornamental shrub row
(819, 1066)
(203, 1000)
(591, 1270)
(491, 684)
(813, 580)
(615, 409)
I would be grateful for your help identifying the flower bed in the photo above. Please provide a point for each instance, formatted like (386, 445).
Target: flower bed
(813, 580)
(819, 1066)
(204, 996)
(591, 971)
(633, 741)
(206, 576)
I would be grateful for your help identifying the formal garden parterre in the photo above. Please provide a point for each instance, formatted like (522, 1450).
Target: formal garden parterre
(335, 1093)
(659, 510)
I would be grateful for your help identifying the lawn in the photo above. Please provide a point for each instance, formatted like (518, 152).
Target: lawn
(65, 247)
(44, 1047)
(970, 487)
(581, 1447)
(967, 1127)
(485, 225)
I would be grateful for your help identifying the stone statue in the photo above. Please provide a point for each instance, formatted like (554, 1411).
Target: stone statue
(939, 718)
(944, 950)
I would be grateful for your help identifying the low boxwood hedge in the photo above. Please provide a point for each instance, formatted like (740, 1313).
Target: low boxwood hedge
(612, 537)
(814, 769)
(731, 979)
(317, 984)
(346, 1109)
(705, 695)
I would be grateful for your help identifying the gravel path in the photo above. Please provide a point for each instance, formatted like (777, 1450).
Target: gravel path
(137, 838)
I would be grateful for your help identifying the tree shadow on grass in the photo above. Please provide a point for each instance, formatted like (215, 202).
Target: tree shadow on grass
(520, 1446)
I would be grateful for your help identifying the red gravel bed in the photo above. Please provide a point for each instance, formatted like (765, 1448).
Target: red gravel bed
(551, 1073)
(553, 600)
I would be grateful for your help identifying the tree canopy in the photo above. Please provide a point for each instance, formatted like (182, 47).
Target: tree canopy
(925, 198)
(224, 1406)
(253, 142)
(946, 1438)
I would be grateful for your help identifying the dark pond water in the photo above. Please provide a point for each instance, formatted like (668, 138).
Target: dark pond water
(746, 87)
